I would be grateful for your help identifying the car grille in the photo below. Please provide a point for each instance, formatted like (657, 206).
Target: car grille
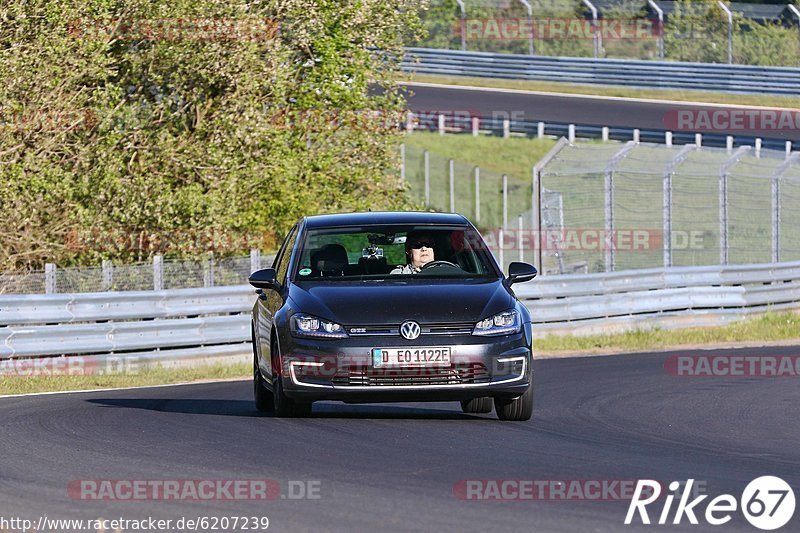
(456, 374)
(437, 328)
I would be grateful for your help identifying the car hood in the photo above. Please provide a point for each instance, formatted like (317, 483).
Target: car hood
(391, 302)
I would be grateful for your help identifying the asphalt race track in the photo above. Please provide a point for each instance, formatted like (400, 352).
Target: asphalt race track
(564, 109)
(394, 467)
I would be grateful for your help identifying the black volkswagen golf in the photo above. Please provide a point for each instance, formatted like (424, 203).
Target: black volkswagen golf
(389, 307)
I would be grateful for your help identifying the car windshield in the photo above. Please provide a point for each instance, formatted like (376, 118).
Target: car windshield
(378, 252)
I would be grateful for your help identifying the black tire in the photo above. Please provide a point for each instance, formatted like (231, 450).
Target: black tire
(477, 406)
(517, 409)
(263, 398)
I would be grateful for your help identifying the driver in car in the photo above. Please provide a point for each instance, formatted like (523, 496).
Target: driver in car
(419, 252)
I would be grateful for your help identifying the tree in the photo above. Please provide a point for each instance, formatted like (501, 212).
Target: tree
(149, 118)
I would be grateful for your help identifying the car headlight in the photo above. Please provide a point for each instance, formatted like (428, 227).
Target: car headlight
(504, 323)
(310, 326)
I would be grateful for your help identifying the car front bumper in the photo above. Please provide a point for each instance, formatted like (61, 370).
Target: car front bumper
(342, 369)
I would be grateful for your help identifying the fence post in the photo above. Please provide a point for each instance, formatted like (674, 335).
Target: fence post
(108, 274)
(729, 143)
(668, 138)
(506, 128)
(604, 134)
(609, 220)
(403, 162)
(426, 157)
(788, 148)
(520, 229)
(255, 259)
(441, 124)
(158, 272)
(667, 204)
(609, 241)
(49, 278)
(758, 147)
(698, 139)
(776, 205)
(452, 187)
(724, 246)
(463, 10)
(502, 257)
(776, 217)
(571, 133)
(208, 271)
(660, 13)
(636, 135)
(535, 218)
(476, 126)
(410, 122)
(540, 130)
(505, 201)
(477, 194)
(730, 30)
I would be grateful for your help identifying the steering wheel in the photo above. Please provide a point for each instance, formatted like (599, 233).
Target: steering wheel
(434, 264)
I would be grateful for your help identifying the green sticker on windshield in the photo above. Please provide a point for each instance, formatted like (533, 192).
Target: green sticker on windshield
(305, 271)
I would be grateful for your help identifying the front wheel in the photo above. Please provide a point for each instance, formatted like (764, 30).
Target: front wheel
(262, 396)
(285, 406)
(517, 409)
(477, 406)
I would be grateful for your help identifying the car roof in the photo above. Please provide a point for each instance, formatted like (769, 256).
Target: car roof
(384, 217)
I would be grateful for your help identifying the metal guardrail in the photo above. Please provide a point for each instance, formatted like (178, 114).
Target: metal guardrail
(111, 322)
(533, 128)
(187, 324)
(621, 72)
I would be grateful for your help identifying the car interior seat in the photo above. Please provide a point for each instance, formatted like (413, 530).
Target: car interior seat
(330, 260)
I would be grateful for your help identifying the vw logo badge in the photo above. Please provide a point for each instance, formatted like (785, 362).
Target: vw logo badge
(410, 330)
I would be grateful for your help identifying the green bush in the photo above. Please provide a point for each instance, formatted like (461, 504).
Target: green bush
(124, 114)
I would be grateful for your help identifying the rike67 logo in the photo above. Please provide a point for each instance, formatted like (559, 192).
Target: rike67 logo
(767, 503)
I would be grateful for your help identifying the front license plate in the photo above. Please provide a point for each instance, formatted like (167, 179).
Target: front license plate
(410, 357)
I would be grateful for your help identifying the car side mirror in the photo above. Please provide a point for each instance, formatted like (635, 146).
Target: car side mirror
(520, 272)
(264, 279)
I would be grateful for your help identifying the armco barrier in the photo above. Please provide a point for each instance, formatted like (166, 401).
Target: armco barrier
(199, 324)
(533, 128)
(620, 72)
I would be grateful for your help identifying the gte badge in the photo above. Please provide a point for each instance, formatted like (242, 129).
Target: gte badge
(767, 503)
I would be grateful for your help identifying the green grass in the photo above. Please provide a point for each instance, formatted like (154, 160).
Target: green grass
(770, 327)
(144, 377)
(658, 94)
(514, 156)
(495, 156)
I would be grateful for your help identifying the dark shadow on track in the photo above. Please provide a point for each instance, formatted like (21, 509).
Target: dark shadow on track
(244, 408)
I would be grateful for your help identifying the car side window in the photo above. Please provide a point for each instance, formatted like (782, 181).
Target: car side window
(281, 264)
